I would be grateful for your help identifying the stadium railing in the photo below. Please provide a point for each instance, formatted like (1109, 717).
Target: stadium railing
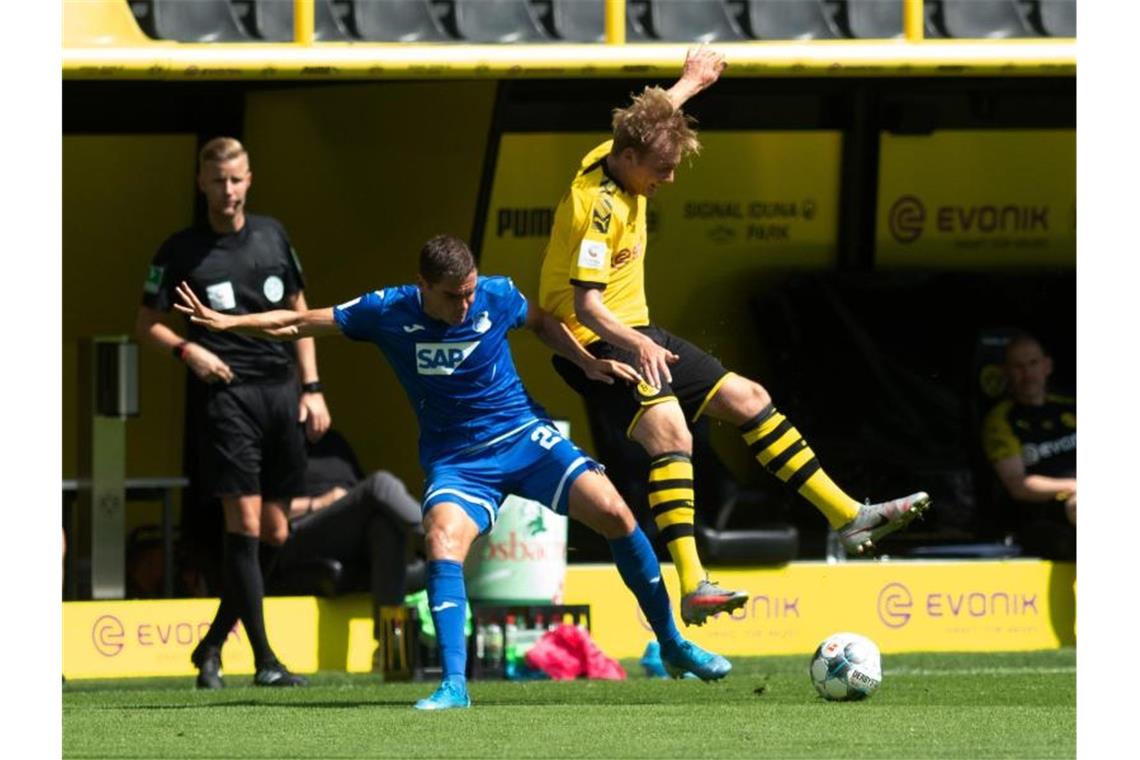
(103, 40)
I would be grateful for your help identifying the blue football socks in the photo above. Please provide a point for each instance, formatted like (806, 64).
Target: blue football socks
(641, 572)
(447, 597)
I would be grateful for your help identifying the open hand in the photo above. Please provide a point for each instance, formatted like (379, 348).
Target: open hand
(653, 363)
(606, 370)
(198, 312)
(702, 67)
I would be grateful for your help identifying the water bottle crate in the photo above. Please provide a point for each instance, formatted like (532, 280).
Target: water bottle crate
(503, 632)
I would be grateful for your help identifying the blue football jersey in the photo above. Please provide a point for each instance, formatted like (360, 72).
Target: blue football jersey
(461, 379)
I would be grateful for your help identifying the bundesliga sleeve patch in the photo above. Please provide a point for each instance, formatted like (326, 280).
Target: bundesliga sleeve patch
(153, 280)
(592, 254)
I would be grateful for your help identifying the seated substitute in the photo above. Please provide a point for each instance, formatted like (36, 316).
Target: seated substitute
(1030, 439)
(482, 437)
(360, 521)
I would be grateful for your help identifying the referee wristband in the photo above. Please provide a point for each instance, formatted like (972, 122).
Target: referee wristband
(179, 350)
(313, 387)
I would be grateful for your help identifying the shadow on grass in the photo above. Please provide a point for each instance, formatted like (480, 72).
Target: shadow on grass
(346, 705)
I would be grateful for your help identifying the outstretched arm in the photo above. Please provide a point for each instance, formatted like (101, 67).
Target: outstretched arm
(701, 70)
(282, 324)
(551, 331)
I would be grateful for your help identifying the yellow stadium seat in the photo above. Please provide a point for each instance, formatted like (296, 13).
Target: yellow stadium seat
(89, 23)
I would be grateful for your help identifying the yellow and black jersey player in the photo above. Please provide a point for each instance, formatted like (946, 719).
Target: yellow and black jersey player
(593, 278)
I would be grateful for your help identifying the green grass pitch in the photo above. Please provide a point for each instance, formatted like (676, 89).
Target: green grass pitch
(930, 706)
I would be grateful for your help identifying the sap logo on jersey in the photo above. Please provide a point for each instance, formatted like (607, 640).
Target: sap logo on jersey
(442, 358)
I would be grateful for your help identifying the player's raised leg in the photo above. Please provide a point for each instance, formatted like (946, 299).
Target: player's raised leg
(449, 531)
(780, 448)
(595, 502)
(662, 432)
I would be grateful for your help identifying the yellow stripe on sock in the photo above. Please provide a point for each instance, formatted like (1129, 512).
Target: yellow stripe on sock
(777, 448)
(670, 494)
(671, 471)
(767, 426)
(819, 489)
(680, 516)
(795, 463)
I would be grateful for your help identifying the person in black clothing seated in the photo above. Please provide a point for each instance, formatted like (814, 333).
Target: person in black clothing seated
(362, 522)
(1030, 439)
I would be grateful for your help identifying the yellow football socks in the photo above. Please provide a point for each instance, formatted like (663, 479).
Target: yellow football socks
(778, 446)
(671, 501)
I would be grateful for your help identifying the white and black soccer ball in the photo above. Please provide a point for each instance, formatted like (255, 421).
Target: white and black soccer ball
(846, 666)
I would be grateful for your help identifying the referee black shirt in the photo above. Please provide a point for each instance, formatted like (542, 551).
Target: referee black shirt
(245, 272)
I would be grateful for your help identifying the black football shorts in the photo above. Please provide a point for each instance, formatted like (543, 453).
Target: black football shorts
(255, 445)
(697, 376)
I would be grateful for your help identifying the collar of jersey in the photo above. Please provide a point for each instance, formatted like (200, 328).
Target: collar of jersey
(612, 178)
(439, 324)
(601, 164)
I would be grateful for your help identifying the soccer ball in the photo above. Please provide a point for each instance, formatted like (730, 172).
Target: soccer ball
(846, 666)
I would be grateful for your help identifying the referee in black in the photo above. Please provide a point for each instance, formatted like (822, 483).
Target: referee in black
(256, 407)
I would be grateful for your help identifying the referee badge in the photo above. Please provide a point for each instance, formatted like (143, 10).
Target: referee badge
(274, 288)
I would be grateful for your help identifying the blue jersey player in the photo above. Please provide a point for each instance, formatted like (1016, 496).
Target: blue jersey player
(482, 437)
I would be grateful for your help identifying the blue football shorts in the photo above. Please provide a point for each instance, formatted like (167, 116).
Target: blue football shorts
(534, 462)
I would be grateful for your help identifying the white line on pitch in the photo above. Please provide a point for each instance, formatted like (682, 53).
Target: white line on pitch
(978, 671)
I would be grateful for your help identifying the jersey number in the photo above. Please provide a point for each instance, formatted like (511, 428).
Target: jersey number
(546, 437)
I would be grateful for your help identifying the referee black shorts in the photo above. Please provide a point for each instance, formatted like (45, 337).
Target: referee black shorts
(697, 376)
(254, 443)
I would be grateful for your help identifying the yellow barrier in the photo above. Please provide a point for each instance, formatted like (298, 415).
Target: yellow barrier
(903, 606)
(360, 60)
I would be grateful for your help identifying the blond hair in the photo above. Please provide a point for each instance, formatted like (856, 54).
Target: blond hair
(220, 149)
(651, 122)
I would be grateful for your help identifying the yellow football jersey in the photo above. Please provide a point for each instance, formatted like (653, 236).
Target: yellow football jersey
(597, 241)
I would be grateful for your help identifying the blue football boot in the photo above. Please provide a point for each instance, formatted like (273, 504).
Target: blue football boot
(683, 656)
(451, 694)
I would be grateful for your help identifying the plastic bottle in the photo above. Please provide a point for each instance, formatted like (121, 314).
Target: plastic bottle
(494, 645)
(510, 648)
(480, 642)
